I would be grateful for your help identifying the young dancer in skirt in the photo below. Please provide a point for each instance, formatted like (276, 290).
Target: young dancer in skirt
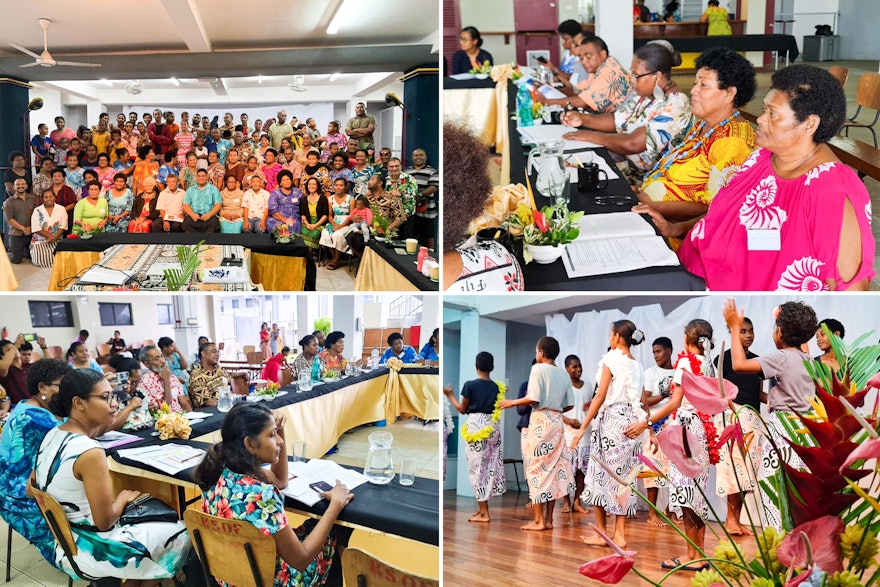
(685, 497)
(617, 404)
(482, 434)
(580, 454)
(549, 465)
(795, 326)
(658, 390)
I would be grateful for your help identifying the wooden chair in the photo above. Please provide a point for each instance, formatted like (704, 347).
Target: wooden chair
(360, 569)
(60, 528)
(103, 351)
(841, 73)
(233, 551)
(867, 96)
(247, 349)
(255, 358)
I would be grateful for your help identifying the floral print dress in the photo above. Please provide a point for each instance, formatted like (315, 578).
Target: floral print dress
(117, 206)
(244, 497)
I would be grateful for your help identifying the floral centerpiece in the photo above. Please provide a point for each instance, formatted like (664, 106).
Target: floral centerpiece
(269, 391)
(484, 69)
(379, 228)
(89, 230)
(281, 233)
(171, 424)
(549, 227)
(830, 512)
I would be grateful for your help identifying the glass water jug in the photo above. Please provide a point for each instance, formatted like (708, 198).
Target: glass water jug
(379, 467)
(552, 180)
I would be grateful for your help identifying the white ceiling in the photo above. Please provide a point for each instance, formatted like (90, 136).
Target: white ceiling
(236, 41)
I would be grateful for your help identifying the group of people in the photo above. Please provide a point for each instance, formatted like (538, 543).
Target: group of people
(49, 445)
(586, 442)
(745, 210)
(279, 177)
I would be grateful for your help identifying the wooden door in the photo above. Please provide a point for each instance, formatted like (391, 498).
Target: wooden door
(536, 16)
(451, 30)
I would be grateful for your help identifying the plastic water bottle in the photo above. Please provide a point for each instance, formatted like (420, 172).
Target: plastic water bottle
(224, 396)
(316, 369)
(524, 105)
(374, 358)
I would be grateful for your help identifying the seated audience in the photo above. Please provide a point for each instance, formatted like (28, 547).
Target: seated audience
(158, 383)
(397, 349)
(255, 206)
(48, 225)
(430, 353)
(201, 205)
(337, 227)
(332, 355)
(207, 376)
(24, 430)
(117, 344)
(144, 211)
(169, 205)
(284, 205)
(469, 55)
(315, 212)
(233, 478)
(306, 359)
(91, 213)
(231, 213)
(79, 358)
(793, 188)
(654, 112)
(174, 359)
(72, 467)
(685, 180)
(13, 373)
(119, 202)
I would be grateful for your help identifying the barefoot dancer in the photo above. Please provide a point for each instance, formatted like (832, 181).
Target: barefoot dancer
(482, 433)
(658, 389)
(549, 469)
(617, 404)
(580, 455)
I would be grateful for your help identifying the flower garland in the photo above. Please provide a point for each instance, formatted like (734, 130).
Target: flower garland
(706, 419)
(486, 431)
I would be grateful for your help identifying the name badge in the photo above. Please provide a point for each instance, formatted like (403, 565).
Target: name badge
(764, 240)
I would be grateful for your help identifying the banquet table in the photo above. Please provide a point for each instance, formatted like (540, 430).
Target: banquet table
(327, 411)
(553, 277)
(780, 44)
(276, 267)
(383, 269)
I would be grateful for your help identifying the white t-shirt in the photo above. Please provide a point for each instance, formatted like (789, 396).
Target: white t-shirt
(627, 380)
(550, 386)
(201, 163)
(577, 412)
(658, 380)
(172, 204)
(40, 217)
(256, 203)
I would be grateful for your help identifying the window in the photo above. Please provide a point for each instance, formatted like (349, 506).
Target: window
(51, 314)
(115, 314)
(166, 316)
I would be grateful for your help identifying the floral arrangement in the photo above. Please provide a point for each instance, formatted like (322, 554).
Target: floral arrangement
(706, 419)
(486, 431)
(551, 226)
(270, 390)
(379, 227)
(484, 69)
(505, 71)
(188, 257)
(281, 233)
(538, 111)
(171, 424)
(90, 230)
(830, 520)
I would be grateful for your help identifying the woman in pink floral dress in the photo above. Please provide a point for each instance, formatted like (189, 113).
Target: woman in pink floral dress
(794, 217)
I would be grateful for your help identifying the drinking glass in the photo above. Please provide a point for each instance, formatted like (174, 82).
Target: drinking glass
(407, 471)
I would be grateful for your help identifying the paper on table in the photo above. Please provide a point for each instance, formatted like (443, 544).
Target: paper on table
(198, 415)
(113, 439)
(589, 157)
(584, 258)
(614, 225)
(551, 92)
(552, 132)
(168, 458)
(302, 474)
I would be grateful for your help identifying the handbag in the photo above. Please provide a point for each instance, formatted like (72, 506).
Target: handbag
(149, 510)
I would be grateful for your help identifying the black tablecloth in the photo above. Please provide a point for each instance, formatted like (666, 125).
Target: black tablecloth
(411, 512)
(403, 264)
(467, 84)
(257, 243)
(784, 44)
(552, 277)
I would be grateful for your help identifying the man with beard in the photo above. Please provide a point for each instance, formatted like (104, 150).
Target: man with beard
(427, 179)
(158, 384)
(206, 376)
(361, 126)
(18, 210)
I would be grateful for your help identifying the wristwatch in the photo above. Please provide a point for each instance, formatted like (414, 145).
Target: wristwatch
(649, 422)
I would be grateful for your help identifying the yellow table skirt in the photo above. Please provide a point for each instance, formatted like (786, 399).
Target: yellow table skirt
(376, 274)
(8, 281)
(70, 263)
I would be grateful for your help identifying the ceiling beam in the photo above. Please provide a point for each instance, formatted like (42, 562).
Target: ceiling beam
(372, 82)
(82, 90)
(188, 23)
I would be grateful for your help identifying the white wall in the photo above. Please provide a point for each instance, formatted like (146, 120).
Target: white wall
(858, 35)
(488, 16)
(805, 21)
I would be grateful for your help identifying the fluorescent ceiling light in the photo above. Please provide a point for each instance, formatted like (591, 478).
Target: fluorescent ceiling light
(175, 80)
(259, 79)
(340, 15)
(334, 77)
(107, 82)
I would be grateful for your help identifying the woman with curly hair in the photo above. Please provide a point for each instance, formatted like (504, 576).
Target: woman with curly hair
(684, 181)
(470, 266)
(796, 324)
(794, 217)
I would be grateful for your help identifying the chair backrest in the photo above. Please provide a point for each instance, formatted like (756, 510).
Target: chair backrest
(360, 569)
(254, 357)
(841, 73)
(285, 377)
(59, 525)
(868, 92)
(233, 551)
(248, 348)
(54, 352)
(103, 349)
(149, 342)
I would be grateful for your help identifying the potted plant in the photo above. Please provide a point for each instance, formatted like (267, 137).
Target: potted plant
(545, 232)
(324, 325)
(379, 229)
(188, 257)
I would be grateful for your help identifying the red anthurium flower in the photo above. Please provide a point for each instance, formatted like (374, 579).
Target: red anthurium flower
(679, 445)
(541, 221)
(869, 449)
(704, 394)
(612, 568)
(797, 580)
(823, 535)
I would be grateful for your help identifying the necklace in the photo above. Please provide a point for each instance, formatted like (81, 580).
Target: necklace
(679, 153)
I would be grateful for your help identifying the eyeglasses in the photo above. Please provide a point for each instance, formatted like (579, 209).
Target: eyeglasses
(640, 76)
(106, 397)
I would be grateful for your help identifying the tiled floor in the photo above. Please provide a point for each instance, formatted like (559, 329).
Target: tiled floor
(411, 439)
(32, 278)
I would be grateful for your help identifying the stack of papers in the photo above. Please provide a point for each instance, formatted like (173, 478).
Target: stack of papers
(113, 439)
(552, 132)
(613, 243)
(168, 458)
(302, 474)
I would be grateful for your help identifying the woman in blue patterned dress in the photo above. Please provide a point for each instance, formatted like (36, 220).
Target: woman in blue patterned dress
(72, 467)
(119, 201)
(237, 486)
(337, 227)
(284, 204)
(360, 174)
(25, 429)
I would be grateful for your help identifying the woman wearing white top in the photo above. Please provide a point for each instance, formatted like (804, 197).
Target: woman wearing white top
(617, 404)
(48, 223)
(686, 498)
(580, 454)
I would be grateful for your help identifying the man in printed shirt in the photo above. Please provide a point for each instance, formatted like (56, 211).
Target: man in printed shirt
(206, 376)
(404, 352)
(158, 384)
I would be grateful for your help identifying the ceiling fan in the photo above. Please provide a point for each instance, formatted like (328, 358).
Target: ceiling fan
(45, 58)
